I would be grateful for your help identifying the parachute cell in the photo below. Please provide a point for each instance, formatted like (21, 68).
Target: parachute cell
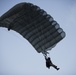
(34, 24)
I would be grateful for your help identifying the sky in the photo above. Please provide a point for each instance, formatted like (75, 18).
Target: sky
(18, 57)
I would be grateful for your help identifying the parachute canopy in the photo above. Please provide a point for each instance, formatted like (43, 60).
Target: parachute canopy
(34, 24)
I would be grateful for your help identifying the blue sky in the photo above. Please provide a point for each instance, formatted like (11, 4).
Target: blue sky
(18, 57)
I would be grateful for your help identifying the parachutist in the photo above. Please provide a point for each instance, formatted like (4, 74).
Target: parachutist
(49, 63)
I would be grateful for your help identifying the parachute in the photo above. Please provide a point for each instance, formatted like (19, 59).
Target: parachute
(35, 25)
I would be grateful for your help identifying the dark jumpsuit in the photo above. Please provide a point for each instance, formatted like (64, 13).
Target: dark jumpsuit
(49, 63)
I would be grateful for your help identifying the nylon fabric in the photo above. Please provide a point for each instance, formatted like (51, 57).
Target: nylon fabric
(34, 24)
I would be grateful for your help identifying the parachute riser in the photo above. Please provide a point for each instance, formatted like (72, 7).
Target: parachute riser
(46, 54)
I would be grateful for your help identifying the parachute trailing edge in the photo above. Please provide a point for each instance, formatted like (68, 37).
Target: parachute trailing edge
(34, 24)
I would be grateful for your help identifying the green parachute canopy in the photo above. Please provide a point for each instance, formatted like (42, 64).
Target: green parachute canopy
(34, 24)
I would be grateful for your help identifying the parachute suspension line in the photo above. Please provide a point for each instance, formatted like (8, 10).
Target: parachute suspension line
(46, 54)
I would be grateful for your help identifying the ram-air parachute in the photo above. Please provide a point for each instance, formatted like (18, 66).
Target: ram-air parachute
(34, 24)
